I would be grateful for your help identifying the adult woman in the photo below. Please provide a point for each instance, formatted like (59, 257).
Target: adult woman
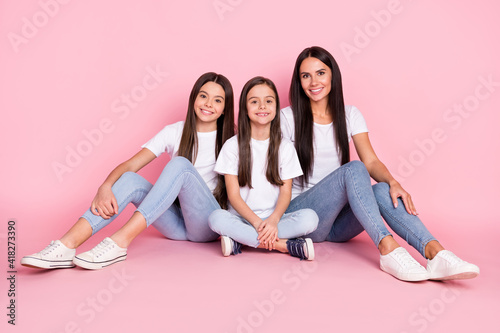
(321, 126)
(189, 176)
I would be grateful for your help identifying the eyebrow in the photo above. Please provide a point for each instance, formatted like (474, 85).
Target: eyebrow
(322, 69)
(203, 91)
(264, 97)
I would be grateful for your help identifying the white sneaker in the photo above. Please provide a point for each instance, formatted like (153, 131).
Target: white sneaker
(400, 264)
(447, 266)
(229, 246)
(55, 255)
(103, 254)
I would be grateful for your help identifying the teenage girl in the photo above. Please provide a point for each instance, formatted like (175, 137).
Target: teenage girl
(258, 166)
(340, 191)
(194, 145)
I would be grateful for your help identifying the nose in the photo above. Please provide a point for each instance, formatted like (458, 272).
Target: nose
(262, 106)
(314, 80)
(208, 103)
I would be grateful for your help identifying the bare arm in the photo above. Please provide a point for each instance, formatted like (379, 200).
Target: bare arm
(233, 194)
(380, 173)
(268, 230)
(104, 203)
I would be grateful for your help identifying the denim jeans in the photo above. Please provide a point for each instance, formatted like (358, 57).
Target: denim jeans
(291, 225)
(347, 204)
(179, 179)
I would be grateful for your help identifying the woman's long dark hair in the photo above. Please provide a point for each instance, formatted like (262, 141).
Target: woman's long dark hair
(244, 135)
(303, 117)
(188, 147)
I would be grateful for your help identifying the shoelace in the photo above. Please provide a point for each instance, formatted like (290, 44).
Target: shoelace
(296, 248)
(236, 247)
(406, 260)
(51, 247)
(451, 257)
(101, 248)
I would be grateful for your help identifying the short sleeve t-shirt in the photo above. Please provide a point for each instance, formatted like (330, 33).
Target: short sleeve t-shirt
(263, 196)
(169, 139)
(326, 157)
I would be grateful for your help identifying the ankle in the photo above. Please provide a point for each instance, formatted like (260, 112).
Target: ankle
(432, 248)
(387, 245)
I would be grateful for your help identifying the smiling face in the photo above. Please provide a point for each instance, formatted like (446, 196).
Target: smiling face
(261, 105)
(209, 106)
(315, 79)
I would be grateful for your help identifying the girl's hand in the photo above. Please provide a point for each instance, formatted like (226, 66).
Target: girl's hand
(268, 233)
(104, 203)
(396, 191)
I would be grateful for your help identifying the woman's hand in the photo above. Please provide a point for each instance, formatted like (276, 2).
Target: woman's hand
(268, 233)
(397, 191)
(104, 203)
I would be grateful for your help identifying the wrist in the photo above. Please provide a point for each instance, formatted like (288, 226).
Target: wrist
(393, 182)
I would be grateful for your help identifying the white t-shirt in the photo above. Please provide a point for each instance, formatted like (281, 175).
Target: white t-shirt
(262, 198)
(326, 157)
(169, 139)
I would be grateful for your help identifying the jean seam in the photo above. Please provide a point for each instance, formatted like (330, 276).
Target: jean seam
(380, 232)
(408, 230)
(126, 199)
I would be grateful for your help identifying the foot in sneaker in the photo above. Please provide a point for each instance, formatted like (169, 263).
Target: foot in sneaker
(447, 266)
(229, 246)
(55, 255)
(302, 248)
(400, 264)
(104, 254)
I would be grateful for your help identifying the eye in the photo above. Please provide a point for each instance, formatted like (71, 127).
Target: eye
(218, 100)
(253, 102)
(203, 95)
(269, 101)
(305, 76)
(321, 73)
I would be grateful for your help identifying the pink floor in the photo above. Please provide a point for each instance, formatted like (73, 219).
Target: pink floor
(172, 286)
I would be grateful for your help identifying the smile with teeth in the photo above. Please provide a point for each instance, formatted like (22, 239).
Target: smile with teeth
(262, 114)
(206, 112)
(316, 91)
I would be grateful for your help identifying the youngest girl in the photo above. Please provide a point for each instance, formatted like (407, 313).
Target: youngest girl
(259, 166)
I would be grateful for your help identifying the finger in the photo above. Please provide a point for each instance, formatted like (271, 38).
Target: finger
(394, 197)
(114, 205)
(407, 205)
(412, 206)
(93, 209)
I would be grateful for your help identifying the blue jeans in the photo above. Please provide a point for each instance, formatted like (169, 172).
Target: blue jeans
(179, 179)
(291, 225)
(353, 206)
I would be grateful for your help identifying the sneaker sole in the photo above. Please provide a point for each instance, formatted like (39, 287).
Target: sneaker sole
(403, 278)
(97, 265)
(310, 249)
(46, 264)
(460, 276)
(226, 247)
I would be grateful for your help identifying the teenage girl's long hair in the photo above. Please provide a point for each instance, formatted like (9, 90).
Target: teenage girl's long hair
(188, 147)
(244, 135)
(303, 117)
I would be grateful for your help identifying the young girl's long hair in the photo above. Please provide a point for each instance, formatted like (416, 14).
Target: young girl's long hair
(188, 147)
(244, 135)
(303, 117)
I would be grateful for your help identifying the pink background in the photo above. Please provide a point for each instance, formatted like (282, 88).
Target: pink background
(407, 65)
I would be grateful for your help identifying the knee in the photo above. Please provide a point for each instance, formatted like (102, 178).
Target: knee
(356, 167)
(128, 176)
(381, 190)
(309, 219)
(215, 218)
(180, 162)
